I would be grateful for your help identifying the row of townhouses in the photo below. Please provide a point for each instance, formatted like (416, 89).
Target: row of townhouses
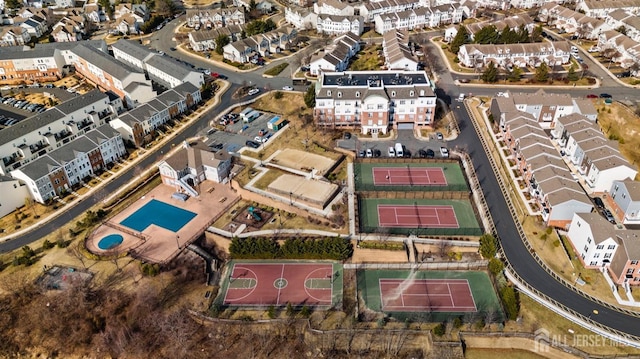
(335, 58)
(244, 50)
(214, 18)
(623, 19)
(572, 22)
(339, 24)
(375, 101)
(627, 50)
(397, 53)
(507, 55)
(602, 8)
(513, 23)
(130, 17)
(418, 18)
(205, 40)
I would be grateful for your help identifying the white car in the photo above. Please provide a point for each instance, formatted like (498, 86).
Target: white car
(253, 92)
(260, 139)
(444, 152)
(369, 153)
(288, 88)
(391, 152)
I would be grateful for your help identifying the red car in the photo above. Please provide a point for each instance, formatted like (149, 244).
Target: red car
(592, 96)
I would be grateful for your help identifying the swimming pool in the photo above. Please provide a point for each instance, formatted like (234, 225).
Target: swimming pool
(159, 213)
(109, 242)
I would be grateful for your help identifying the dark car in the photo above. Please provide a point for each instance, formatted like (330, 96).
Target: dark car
(252, 144)
(347, 135)
(607, 214)
(217, 146)
(605, 95)
(422, 153)
(464, 81)
(598, 202)
(592, 95)
(377, 153)
(406, 153)
(173, 49)
(430, 153)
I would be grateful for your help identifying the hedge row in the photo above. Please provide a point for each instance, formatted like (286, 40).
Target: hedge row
(293, 248)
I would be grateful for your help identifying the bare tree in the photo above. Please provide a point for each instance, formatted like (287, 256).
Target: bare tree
(75, 252)
(443, 248)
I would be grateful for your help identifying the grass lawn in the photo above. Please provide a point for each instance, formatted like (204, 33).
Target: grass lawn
(291, 103)
(367, 59)
(267, 178)
(618, 122)
(276, 70)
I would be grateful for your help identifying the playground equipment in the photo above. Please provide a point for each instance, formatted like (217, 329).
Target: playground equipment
(254, 214)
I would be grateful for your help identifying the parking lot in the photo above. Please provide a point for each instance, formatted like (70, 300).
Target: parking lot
(234, 136)
(405, 137)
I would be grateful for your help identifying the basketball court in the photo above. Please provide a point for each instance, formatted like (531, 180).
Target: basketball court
(251, 284)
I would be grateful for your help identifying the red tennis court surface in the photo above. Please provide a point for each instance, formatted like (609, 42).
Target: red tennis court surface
(257, 284)
(421, 295)
(417, 216)
(408, 176)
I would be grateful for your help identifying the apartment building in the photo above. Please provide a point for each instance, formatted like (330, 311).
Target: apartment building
(13, 196)
(205, 40)
(339, 24)
(573, 22)
(375, 101)
(300, 18)
(57, 172)
(553, 53)
(37, 65)
(369, 10)
(333, 7)
(170, 72)
(108, 73)
(132, 53)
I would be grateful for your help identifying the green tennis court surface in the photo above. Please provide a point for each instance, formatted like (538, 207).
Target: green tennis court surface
(365, 176)
(370, 221)
(429, 295)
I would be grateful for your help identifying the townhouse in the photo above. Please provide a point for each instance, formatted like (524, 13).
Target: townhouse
(528, 4)
(375, 101)
(68, 29)
(625, 200)
(508, 55)
(37, 65)
(94, 13)
(599, 244)
(205, 40)
(627, 51)
(214, 18)
(300, 18)
(396, 51)
(418, 18)
(127, 24)
(13, 196)
(245, 50)
(35, 25)
(132, 53)
(57, 172)
(339, 24)
(192, 165)
(545, 108)
(49, 130)
(622, 19)
(262, 6)
(300, 3)
(138, 126)
(336, 57)
(546, 176)
(602, 8)
(573, 22)
(370, 10)
(14, 36)
(513, 23)
(106, 72)
(333, 7)
(138, 12)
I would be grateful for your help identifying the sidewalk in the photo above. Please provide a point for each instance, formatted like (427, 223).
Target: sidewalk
(126, 165)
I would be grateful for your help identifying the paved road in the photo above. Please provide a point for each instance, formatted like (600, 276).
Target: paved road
(514, 249)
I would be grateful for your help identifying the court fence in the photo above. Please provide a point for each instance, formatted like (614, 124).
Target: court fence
(474, 265)
(414, 195)
(462, 231)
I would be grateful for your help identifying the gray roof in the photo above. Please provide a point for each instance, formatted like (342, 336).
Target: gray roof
(35, 53)
(169, 98)
(30, 124)
(601, 229)
(143, 112)
(105, 62)
(79, 102)
(39, 167)
(185, 88)
(69, 151)
(134, 49)
(102, 134)
(98, 44)
(169, 65)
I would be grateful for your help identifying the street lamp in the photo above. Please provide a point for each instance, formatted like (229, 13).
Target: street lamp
(290, 198)
(178, 240)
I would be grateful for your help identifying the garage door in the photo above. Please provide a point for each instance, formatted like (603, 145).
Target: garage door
(405, 126)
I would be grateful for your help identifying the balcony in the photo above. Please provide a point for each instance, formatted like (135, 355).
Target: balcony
(36, 147)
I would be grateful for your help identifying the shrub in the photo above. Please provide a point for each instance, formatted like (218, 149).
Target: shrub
(278, 95)
(556, 243)
(440, 329)
(510, 302)
(495, 266)
(456, 60)
(457, 322)
(47, 244)
(305, 311)
(271, 312)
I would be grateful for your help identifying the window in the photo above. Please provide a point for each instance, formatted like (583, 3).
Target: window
(358, 94)
(379, 106)
(633, 263)
(589, 240)
(339, 94)
(629, 271)
(402, 102)
(612, 246)
(596, 255)
(600, 246)
(586, 248)
(607, 255)
(411, 93)
(393, 94)
(593, 263)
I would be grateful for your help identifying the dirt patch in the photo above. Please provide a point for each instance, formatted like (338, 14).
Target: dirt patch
(291, 104)
(365, 255)
(303, 161)
(619, 123)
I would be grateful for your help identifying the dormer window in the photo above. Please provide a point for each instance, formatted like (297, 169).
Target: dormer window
(411, 93)
(393, 94)
(328, 92)
(421, 92)
(358, 94)
(339, 94)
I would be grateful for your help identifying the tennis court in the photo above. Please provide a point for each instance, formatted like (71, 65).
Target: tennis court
(430, 295)
(259, 284)
(418, 216)
(408, 176)
(418, 295)
(404, 175)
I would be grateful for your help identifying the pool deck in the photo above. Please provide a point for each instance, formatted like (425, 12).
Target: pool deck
(159, 245)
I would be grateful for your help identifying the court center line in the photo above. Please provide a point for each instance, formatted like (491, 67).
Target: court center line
(450, 295)
(279, 287)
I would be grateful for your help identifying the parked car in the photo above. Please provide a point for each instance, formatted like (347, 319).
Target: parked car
(422, 153)
(260, 139)
(253, 92)
(361, 153)
(377, 153)
(592, 95)
(444, 152)
(217, 146)
(391, 152)
(288, 88)
(262, 132)
(439, 135)
(369, 153)
(605, 95)
(430, 153)
(609, 216)
(347, 135)
(211, 131)
(252, 144)
(598, 202)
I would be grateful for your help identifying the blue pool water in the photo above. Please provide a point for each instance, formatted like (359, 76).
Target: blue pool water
(110, 241)
(159, 213)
